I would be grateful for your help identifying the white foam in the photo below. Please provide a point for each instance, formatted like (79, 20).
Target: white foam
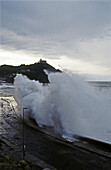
(68, 104)
(6, 85)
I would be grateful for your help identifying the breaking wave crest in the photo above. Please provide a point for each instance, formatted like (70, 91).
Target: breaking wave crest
(68, 104)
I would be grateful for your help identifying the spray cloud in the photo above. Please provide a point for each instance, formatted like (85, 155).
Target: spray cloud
(68, 104)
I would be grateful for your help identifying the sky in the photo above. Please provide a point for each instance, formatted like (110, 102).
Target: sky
(71, 35)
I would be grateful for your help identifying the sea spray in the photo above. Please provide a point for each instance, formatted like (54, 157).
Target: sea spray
(68, 104)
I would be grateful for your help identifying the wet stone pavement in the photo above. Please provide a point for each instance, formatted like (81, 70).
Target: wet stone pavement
(58, 154)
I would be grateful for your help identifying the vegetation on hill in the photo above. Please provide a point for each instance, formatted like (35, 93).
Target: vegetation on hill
(33, 71)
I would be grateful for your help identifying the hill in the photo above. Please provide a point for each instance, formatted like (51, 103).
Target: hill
(33, 71)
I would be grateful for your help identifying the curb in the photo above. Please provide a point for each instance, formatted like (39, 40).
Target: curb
(38, 162)
(28, 157)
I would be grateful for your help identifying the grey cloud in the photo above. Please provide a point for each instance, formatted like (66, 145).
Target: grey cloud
(53, 28)
(66, 18)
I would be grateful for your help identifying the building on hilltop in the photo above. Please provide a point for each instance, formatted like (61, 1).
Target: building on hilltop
(42, 61)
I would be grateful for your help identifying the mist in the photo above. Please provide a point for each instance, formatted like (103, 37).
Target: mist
(68, 104)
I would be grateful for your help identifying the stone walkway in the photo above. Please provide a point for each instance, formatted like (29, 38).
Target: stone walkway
(44, 149)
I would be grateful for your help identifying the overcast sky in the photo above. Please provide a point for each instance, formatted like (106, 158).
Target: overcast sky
(75, 35)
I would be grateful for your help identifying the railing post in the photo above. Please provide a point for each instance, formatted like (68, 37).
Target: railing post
(23, 137)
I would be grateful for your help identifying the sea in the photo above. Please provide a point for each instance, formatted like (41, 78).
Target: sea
(69, 104)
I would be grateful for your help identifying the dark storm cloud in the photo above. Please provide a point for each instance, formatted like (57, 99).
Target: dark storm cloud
(53, 28)
(46, 18)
